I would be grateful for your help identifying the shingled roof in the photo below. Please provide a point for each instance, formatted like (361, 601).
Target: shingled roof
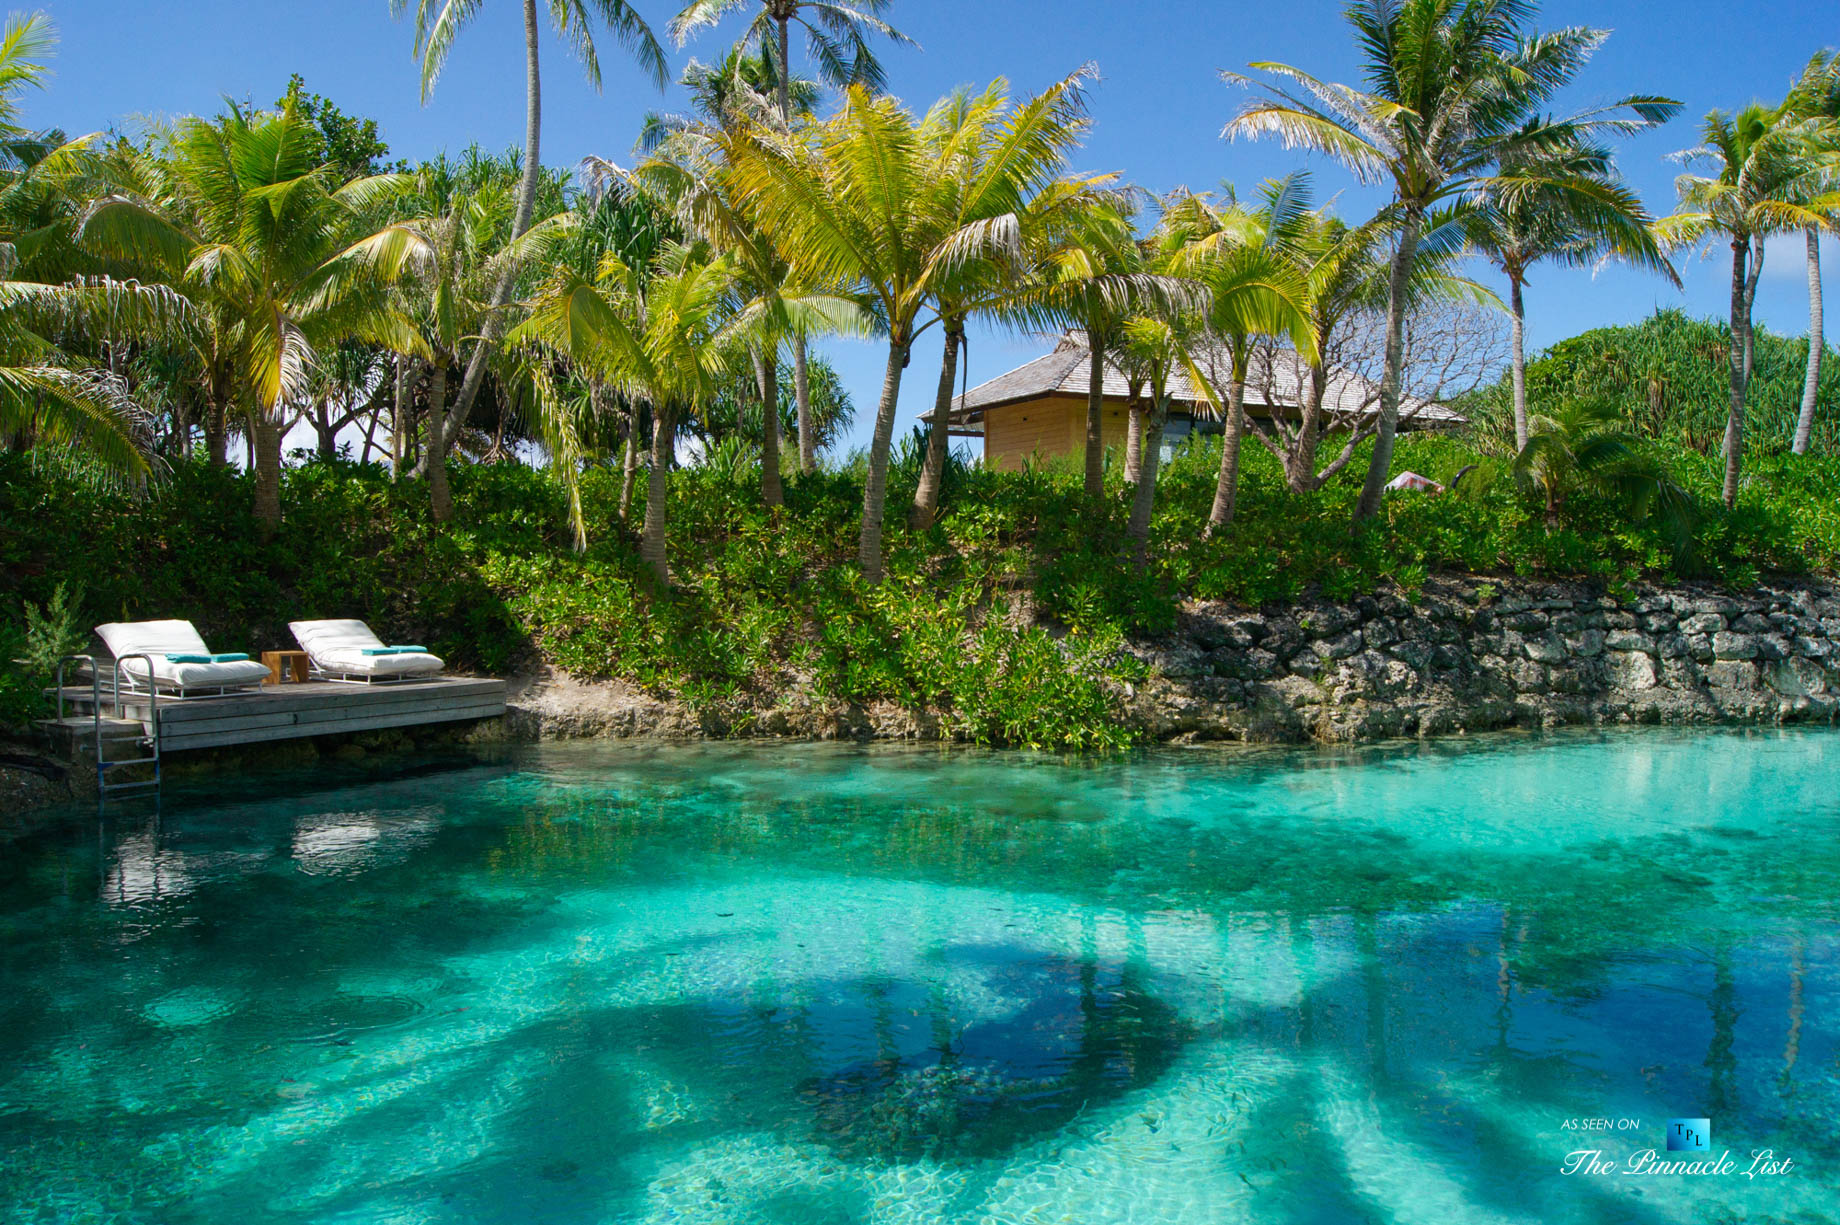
(1068, 369)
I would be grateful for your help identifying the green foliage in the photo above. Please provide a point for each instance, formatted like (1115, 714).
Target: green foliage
(1668, 375)
(350, 145)
(29, 653)
(1005, 621)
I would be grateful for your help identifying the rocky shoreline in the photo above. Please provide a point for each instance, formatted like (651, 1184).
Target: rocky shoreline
(1459, 656)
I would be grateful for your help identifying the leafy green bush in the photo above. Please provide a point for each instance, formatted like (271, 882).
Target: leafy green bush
(1006, 619)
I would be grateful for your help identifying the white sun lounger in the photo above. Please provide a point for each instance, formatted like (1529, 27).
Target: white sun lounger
(141, 649)
(337, 649)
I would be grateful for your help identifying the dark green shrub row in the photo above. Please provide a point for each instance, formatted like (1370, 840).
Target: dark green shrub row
(769, 602)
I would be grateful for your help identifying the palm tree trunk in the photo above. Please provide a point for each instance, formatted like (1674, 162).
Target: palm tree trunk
(1143, 499)
(1518, 354)
(1095, 416)
(1738, 369)
(766, 370)
(932, 474)
(801, 390)
(399, 417)
(1301, 463)
(785, 76)
(526, 206)
(1133, 439)
(1750, 300)
(875, 484)
(1226, 485)
(630, 463)
(652, 537)
(1393, 373)
(1817, 342)
(265, 447)
(440, 500)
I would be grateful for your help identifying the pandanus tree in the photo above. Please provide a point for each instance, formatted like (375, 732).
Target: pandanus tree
(438, 24)
(270, 246)
(860, 200)
(1816, 96)
(1766, 173)
(1520, 220)
(1455, 91)
(838, 44)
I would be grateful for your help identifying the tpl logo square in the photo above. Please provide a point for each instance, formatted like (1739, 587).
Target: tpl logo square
(1689, 1135)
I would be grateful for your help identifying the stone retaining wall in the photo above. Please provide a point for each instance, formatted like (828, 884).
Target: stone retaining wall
(1470, 655)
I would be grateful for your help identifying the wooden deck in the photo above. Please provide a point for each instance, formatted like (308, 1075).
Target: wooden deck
(315, 708)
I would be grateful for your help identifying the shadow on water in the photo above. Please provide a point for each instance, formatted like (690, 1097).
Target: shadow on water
(565, 984)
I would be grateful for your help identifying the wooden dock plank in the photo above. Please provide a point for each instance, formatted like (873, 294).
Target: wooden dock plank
(316, 708)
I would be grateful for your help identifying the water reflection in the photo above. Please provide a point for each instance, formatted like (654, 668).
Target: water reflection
(784, 984)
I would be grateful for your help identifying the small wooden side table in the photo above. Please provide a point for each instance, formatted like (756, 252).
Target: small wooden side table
(285, 667)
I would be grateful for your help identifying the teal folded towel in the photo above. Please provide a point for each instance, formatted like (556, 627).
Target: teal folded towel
(229, 657)
(396, 650)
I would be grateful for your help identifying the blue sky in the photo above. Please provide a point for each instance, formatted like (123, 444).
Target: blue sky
(1158, 108)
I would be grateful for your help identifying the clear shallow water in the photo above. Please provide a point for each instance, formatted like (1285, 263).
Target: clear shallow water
(787, 983)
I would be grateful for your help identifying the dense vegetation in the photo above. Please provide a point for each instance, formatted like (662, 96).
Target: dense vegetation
(649, 337)
(767, 603)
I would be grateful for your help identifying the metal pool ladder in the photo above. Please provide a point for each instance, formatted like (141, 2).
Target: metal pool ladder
(115, 728)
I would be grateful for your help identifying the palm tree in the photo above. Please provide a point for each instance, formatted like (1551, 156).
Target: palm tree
(859, 200)
(1588, 444)
(688, 169)
(1088, 281)
(1816, 96)
(670, 334)
(979, 146)
(1767, 175)
(438, 23)
(453, 220)
(259, 235)
(837, 40)
(50, 397)
(1254, 288)
(1456, 91)
(1517, 225)
(46, 394)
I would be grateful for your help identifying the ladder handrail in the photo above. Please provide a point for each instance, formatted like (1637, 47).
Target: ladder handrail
(95, 682)
(153, 719)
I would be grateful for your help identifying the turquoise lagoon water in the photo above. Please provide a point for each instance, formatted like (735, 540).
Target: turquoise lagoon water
(790, 983)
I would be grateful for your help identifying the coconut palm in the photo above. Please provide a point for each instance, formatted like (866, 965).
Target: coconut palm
(261, 238)
(670, 335)
(48, 396)
(688, 169)
(438, 24)
(1816, 96)
(972, 144)
(1588, 444)
(1767, 175)
(860, 200)
(1255, 287)
(1088, 281)
(1519, 225)
(1456, 91)
(837, 41)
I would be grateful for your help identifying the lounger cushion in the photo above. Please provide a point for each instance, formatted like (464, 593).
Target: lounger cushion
(340, 646)
(162, 638)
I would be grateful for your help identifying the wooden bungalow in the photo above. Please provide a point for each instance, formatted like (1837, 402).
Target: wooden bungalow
(1038, 410)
